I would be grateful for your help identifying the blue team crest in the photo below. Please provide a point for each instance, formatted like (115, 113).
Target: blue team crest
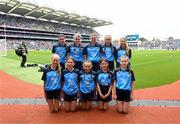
(74, 49)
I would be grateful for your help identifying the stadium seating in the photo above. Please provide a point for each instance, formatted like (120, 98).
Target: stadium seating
(36, 33)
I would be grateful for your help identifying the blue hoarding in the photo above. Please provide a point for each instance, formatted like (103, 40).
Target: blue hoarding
(134, 37)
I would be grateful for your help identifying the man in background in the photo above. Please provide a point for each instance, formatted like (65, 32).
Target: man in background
(23, 49)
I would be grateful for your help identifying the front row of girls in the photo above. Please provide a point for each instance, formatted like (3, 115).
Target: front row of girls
(93, 52)
(71, 84)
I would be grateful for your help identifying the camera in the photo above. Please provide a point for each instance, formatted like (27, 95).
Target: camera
(42, 67)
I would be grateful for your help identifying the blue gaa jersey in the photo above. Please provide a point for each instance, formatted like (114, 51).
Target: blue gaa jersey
(93, 52)
(70, 79)
(104, 78)
(108, 53)
(122, 52)
(52, 79)
(76, 52)
(61, 50)
(87, 82)
(124, 79)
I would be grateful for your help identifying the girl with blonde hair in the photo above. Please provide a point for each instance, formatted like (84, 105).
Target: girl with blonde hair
(52, 84)
(123, 50)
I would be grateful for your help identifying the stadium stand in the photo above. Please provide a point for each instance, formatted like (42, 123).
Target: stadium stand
(41, 25)
(168, 44)
(22, 29)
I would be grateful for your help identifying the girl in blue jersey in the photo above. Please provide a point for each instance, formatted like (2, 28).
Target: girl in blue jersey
(109, 52)
(76, 51)
(123, 50)
(52, 84)
(92, 52)
(70, 79)
(87, 85)
(123, 85)
(104, 85)
(61, 49)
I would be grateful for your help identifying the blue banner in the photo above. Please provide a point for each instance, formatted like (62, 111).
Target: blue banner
(132, 37)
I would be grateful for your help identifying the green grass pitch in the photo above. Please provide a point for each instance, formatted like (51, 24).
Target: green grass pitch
(151, 67)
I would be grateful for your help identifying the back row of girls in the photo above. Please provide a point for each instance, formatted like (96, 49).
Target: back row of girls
(71, 84)
(93, 52)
